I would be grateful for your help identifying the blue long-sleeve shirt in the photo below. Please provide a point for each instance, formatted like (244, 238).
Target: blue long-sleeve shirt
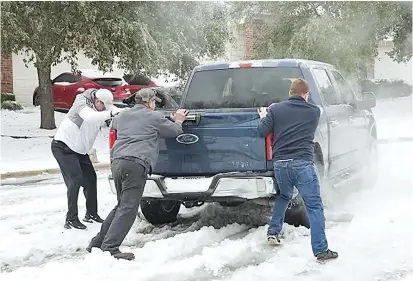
(293, 123)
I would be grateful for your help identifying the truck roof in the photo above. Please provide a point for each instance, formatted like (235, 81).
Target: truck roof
(260, 63)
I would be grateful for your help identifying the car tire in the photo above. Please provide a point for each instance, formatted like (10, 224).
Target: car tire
(36, 99)
(159, 212)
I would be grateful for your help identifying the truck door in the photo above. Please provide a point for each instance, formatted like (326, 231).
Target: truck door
(337, 122)
(358, 121)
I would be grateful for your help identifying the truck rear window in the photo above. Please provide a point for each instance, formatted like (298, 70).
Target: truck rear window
(240, 87)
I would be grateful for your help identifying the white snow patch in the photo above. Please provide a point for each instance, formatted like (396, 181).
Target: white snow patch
(394, 118)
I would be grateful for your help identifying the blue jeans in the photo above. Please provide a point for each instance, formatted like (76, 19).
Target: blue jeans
(303, 175)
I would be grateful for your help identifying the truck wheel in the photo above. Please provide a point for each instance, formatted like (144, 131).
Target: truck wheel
(296, 213)
(160, 211)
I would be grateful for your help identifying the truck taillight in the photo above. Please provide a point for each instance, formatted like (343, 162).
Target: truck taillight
(112, 137)
(268, 146)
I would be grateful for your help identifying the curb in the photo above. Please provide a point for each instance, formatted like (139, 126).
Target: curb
(22, 174)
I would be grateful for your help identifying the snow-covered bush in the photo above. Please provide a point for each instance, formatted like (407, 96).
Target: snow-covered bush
(7, 97)
(384, 88)
(11, 105)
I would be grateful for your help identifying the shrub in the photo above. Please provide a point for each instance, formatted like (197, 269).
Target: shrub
(7, 97)
(387, 88)
(11, 105)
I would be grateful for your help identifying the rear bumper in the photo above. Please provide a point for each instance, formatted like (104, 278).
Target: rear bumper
(235, 186)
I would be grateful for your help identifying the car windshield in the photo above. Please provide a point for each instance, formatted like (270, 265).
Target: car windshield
(240, 87)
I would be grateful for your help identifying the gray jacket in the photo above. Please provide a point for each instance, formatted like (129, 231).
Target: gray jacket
(138, 132)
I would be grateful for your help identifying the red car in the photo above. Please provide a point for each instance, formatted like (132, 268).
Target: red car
(67, 85)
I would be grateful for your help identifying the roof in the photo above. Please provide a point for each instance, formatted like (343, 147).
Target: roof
(260, 63)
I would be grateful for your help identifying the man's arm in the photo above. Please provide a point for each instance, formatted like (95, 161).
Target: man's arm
(91, 116)
(169, 129)
(114, 123)
(266, 124)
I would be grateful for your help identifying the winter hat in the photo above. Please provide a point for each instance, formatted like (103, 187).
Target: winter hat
(145, 95)
(105, 96)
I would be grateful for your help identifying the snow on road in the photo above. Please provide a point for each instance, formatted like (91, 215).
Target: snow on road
(371, 230)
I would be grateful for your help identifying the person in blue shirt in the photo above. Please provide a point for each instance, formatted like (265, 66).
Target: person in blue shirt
(294, 123)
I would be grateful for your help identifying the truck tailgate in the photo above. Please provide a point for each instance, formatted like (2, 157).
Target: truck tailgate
(214, 142)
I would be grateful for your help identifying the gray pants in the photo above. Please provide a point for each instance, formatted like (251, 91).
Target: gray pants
(130, 179)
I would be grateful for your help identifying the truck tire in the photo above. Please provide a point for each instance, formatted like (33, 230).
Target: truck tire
(159, 212)
(296, 213)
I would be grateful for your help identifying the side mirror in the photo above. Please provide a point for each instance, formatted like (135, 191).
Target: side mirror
(368, 101)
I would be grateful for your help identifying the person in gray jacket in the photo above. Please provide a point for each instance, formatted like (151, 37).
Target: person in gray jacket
(70, 146)
(133, 155)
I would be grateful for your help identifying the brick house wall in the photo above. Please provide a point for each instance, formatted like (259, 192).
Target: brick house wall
(6, 74)
(249, 41)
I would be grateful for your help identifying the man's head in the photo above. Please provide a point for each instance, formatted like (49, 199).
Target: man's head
(147, 97)
(103, 99)
(299, 87)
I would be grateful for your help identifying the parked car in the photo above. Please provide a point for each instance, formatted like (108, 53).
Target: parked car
(220, 146)
(67, 85)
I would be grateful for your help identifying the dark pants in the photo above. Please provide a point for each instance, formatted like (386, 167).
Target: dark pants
(130, 180)
(77, 170)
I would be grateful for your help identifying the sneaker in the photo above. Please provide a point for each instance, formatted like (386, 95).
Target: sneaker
(91, 218)
(327, 255)
(75, 223)
(273, 239)
(124, 256)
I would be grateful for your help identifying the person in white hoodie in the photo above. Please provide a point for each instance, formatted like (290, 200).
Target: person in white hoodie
(70, 146)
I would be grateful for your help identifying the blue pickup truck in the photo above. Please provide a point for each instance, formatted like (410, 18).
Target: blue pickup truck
(221, 158)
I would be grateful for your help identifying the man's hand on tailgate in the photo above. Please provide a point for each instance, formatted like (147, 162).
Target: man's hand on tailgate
(262, 112)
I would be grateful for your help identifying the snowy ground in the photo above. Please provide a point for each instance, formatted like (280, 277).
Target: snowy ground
(371, 230)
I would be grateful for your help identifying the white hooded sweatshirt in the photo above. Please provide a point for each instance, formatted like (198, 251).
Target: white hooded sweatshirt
(82, 123)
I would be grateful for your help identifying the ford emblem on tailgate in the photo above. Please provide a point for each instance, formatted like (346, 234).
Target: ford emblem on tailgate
(187, 138)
